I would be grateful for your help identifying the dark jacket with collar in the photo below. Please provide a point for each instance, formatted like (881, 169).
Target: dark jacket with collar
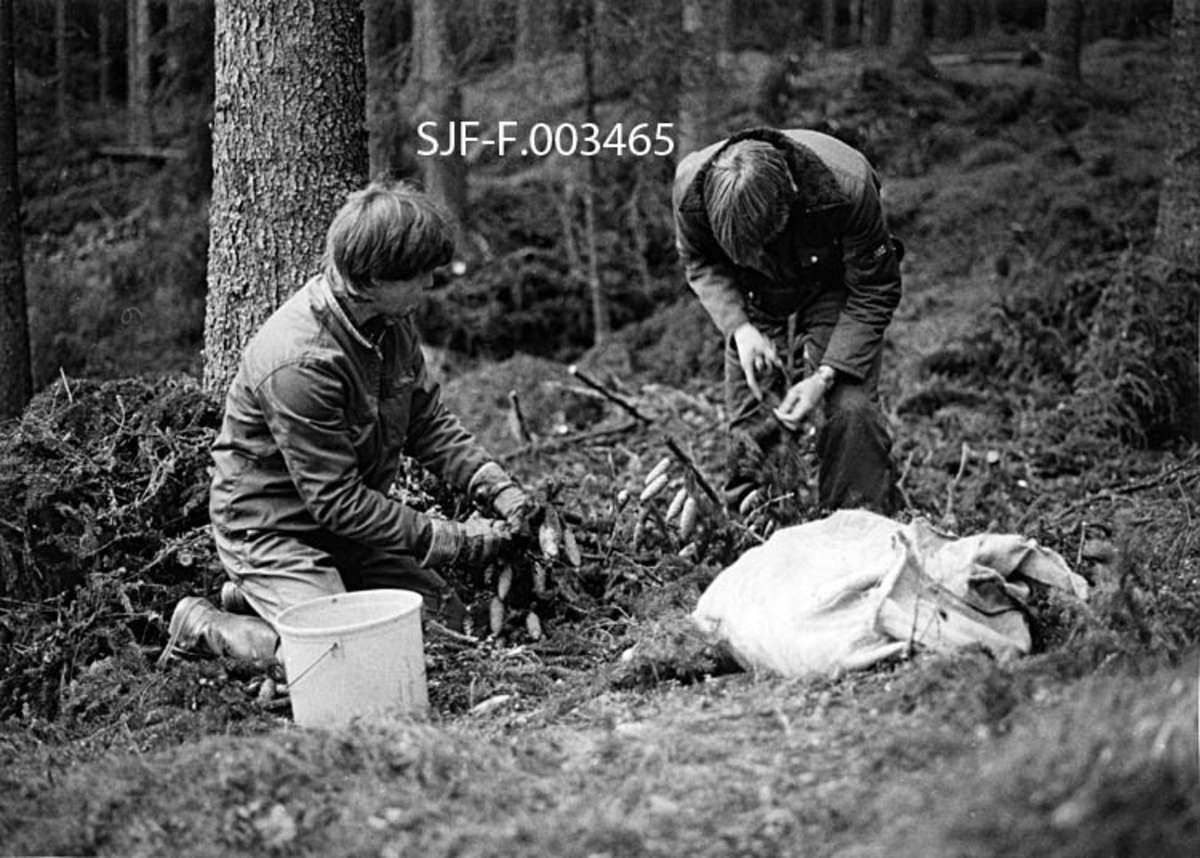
(316, 420)
(836, 238)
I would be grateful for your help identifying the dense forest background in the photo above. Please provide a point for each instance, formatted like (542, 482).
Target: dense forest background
(114, 118)
(1040, 378)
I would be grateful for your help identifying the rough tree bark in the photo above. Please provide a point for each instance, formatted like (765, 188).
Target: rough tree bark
(950, 21)
(288, 143)
(1064, 38)
(16, 376)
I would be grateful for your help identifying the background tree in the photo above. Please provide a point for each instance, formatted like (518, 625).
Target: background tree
(61, 66)
(288, 143)
(104, 51)
(593, 20)
(829, 22)
(985, 16)
(537, 30)
(16, 379)
(705, 45)
(876, 23)
(1177, 230)
(908, 36)
(1177, 234)
(138, 85)
(1064, 38)
(381, 32)
(439, 100)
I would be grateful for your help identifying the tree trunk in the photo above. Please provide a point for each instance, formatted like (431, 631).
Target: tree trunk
(288, 144)
(829, 23)
(1177, 235)
(875, 23)
(601, 323)
(950, 20)
(537, 30)
(985, 16)
(138, 90)
(440, 102)
(908, 36)
(379, 44)
(1064, 38)
(1177, 232)
(16, 376)
(855, 34)
(104, 52)
(705, 38)
(61, 65)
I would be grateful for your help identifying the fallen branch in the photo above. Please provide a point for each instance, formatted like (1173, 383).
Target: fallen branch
(142, 153)
(672, 444)
(540, 445)
(688, 463)
(608, 394)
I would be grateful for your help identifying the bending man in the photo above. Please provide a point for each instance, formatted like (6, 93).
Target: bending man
(783, 238)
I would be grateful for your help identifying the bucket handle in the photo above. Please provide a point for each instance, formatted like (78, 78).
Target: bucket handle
(292, 683)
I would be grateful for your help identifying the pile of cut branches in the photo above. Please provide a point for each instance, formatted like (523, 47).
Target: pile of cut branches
(103, 526)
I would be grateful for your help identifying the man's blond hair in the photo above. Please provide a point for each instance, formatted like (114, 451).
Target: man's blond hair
(747, 193)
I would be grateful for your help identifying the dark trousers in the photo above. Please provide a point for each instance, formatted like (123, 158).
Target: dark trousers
(853, 445)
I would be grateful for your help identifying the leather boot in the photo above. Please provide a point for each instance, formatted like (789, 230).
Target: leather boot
(196, 624)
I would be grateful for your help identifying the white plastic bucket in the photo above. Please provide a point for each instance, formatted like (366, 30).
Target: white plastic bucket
(354, 655)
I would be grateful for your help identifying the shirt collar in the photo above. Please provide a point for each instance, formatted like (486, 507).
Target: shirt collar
(368, 338)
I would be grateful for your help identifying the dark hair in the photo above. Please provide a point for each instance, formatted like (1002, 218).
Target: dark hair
(387, 231)
(747, 193)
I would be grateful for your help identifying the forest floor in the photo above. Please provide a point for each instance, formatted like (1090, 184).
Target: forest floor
(618, 731)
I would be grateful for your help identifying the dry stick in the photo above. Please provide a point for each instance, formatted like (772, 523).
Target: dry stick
(439, 628)
(688, 463)
(672, 444)
(962, 468)
(608, 394)
(520, 426)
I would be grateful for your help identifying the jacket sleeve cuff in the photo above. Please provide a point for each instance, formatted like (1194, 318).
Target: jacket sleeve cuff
(443, 546)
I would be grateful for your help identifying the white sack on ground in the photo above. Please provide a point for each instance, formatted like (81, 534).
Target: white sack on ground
(847, 591)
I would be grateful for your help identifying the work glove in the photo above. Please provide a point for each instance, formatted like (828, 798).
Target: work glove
(493, 489)
(474, 542)
(518, 508)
